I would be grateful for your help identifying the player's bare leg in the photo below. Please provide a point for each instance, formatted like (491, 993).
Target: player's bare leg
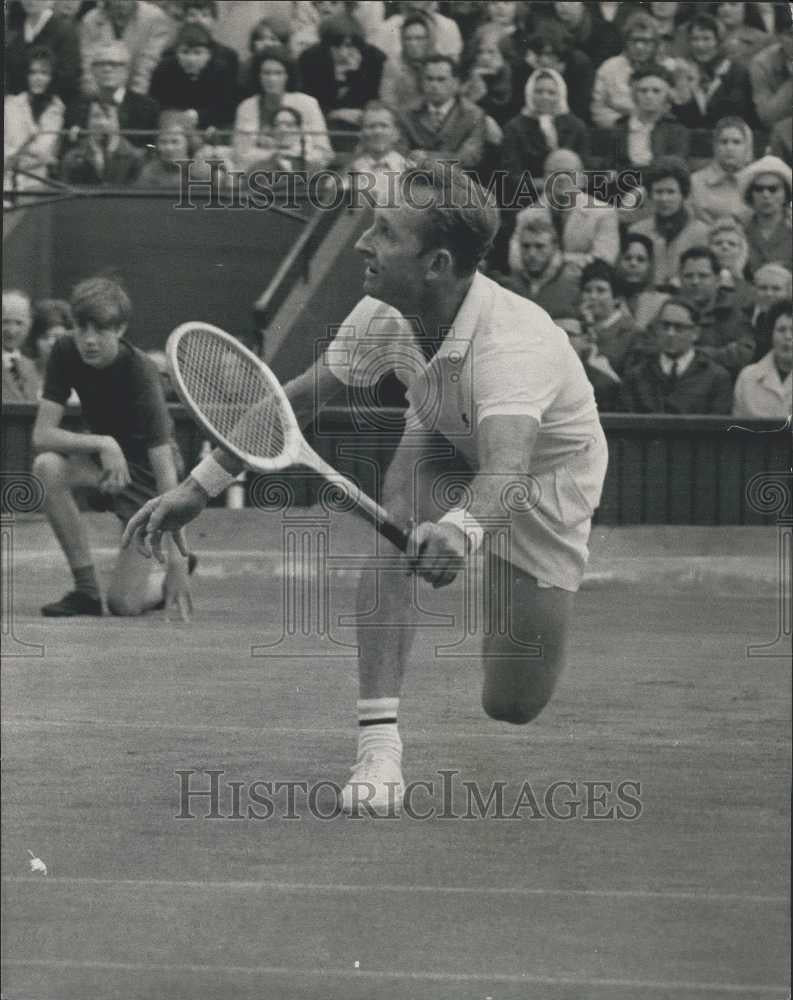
(519, 681)
(60, 476)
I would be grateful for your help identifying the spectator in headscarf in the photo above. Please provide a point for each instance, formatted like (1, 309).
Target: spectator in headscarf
(401, 83)
(636, 271)
(765, 389)
(551, 49)
(32, 121)
(766, 187)
(612, 94)
(342, 71)
(256, 115)
(721, 87)
(716, 188)
(193, 77)
(544, 125)
(650, 130)
(671, 227)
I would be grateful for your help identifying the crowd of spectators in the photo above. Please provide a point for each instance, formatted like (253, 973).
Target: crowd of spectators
(641, 151)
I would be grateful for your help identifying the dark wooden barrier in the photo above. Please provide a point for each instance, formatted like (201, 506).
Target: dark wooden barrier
(663, 469)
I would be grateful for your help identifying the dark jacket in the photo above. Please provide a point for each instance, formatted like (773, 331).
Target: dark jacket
(525, 146)
(558, 294)
(60, 35)
(136, 112)
(318, 78)
(668, 138)
(704, 387)
(121, 167)
(461, 135)
(724, 334)
(213, 93)
(733, 96)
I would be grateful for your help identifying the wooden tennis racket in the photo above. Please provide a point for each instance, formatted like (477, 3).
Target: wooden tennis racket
(241, 405)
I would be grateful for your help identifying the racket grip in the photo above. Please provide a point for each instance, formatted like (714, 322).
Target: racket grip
(394, 533)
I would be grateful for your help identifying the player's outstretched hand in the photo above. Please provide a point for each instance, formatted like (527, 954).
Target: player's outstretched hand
(437, 552)
(166, 513)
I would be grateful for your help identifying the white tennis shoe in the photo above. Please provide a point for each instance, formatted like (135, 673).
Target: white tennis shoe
(375, 787)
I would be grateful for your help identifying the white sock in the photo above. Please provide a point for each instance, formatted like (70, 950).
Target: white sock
(377, 718)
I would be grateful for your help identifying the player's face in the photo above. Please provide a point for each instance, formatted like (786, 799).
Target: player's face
(193, 60)
(378, 132)
(393, 251)
(272, 77)
(537, 249)
(635, 264)
(782, 341)
(597, 298)
(97, 344)
(651, 94)
(16, 321)
(676, 330)
(699, 280)
(731, 149)
(667, 197)
(770, 287)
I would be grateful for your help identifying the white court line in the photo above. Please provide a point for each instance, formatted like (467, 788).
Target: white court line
(438, 734)
(744, 990)
(432, 890)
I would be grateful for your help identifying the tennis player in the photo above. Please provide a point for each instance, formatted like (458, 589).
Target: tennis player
(127, 456)
(491, 378)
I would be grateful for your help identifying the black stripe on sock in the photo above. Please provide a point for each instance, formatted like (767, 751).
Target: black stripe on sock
(389, 719)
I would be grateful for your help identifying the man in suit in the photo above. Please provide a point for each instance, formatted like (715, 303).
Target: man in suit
(136, 112)
(444, 125)
(41, 27)
(678, 379)
(20, 379)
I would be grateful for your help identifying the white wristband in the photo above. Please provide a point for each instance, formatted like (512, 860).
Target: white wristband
(469, 526)
(212, 477)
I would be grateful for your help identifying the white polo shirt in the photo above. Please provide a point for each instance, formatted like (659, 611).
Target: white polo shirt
(502, 355)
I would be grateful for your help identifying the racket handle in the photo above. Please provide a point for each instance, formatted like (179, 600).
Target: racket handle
(391, 530)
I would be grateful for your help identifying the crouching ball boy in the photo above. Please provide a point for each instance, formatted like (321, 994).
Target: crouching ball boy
(127, 456)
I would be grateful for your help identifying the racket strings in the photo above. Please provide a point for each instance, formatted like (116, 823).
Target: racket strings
(233, 394)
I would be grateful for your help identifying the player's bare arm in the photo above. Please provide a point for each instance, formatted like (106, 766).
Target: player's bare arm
(505, 447)
(48, 435)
